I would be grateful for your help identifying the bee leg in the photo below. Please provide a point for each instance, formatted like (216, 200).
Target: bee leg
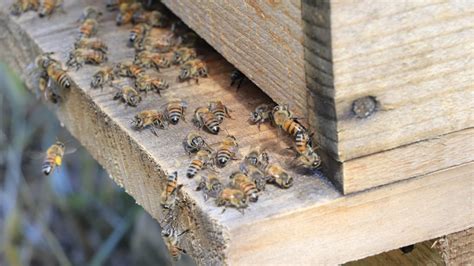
(223, 210)
(153, 130)
(240, 83)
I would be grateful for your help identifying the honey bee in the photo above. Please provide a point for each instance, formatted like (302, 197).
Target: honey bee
(79, 57)
(211, 186)
(276, 174)
(153, 18)
(262, 114)
(112, 5)
(236, 77)
(148, 60)
(201, 161)
(227, 151)
(89, 12)
(54, 157)
(147, 83)
(171, 238)
(149, 118)
(128, 95)
(22, 6)
(91, 43)
(255, 174)
(204, 117)
(126, 12)
(194, 142)
(308, 159)
(230, 197)
(219, 110)
(183, 55)
(105, 75)
(128, 69)
(302, 142)
(256, 158)
(193, 69)
(138, 33)
(58, 75)
(49, 76)
(161, 43)
(293, 127)
(88, 28)
(280, 114)
(241, 181)
(169, 195)
(48, 7)
(176, 110)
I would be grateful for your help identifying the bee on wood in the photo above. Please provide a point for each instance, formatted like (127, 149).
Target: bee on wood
(89, 12)
(147, 83)
(153, 18)
(58, 75)
(236, 77)
(230, 197)
(255, 174)
(293, 127)
(149, 118)
(54, 157)
(176, 110)
(308, 159)
(241, 181)
(128, 70)
(91, 43)
(112, 5)
(171, 238)
(104, 76)
(219, 110)
(201, 161)
(23, 6)
(169, 195)
(128, 95)
(183, 55)
(126, 12)
(227, 151)
(160, 44)
(138, 34)
(50, 77)
(280, 114)
(193, 69)
(48, 7)
(211, 186)
(194, 142)
(262, 114)
(79, 57)
(205, 118)
(148, 60)
(88, 28)
(276, 174)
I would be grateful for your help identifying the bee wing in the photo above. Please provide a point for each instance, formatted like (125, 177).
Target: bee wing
(70, 150)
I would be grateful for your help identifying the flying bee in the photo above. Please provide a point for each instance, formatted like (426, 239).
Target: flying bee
(126, 12)
(193, 69)
(176, 110)
(54, 157)
(276, 174)
(205, 118)
(104, 76)
(48, 7)
(262, 114)
(147, 83)
(128, 95)
(280, 114)
(171, 239)
(227, 151)
(79, 57)
(241, 181)
(308, 159)
(219, 110)
(201, 161)
(153, 18)
(22, 6)
(149, 118)
(148, 60)
(89, 12)
(230, 197)
(91, 43)
(236, 77)
(194, 142)
(88, 28)
(128, 69)
(169, 195)
(138, 33)
(211, 186)
(183, 55)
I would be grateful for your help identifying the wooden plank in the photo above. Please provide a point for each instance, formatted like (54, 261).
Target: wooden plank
(457, 248)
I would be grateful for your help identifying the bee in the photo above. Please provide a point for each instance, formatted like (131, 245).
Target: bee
(227, 151)
(193, 69)
(22, 6)
(153, 18)
(91, 43)
(57, 74)
(49, 76)
(308, 159)
(211, 186)
(89, 12)
(256, 158)
(128, 69)
(169, 195)
(112, 5)
(105, 75)
(241, 181)
(262, 114)
(255, 174)
(128, 95)
(148, 60)
(280, 114)
(219, 110)
(54, 157)
(293, 127)
(176, 110)
(149, 118)
(126, 12)
(194, 142)
(183, 55)
(233, 198)
(48, 7)
(161, 43)
(302, 142)
(88, 28)
(138, 33)
(79, 57)
(201, 160)
(236, 77)
(147, 83)
(204, 117)
(276, 174)
(171, 238)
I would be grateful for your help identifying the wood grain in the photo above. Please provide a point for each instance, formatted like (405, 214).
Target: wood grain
(457, 248)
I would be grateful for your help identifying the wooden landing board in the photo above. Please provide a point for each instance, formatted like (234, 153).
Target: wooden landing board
(284, 226)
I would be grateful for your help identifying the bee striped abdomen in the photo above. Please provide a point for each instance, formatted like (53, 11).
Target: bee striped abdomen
(301, 141)
(174, 113)
(292, 127)
(224, 156)
(194, 167)
(211, 122)
(48, 165)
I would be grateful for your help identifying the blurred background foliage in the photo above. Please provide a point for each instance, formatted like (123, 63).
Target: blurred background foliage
(77, 215)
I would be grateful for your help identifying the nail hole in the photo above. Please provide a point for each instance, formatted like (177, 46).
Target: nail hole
(364, 107)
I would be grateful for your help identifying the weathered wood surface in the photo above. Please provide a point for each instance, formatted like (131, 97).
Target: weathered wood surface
(284, 226)
(457, 248)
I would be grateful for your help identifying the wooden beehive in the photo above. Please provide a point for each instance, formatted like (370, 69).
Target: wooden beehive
(319, 57)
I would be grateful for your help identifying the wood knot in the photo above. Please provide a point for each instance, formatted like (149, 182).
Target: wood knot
(364, 107)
